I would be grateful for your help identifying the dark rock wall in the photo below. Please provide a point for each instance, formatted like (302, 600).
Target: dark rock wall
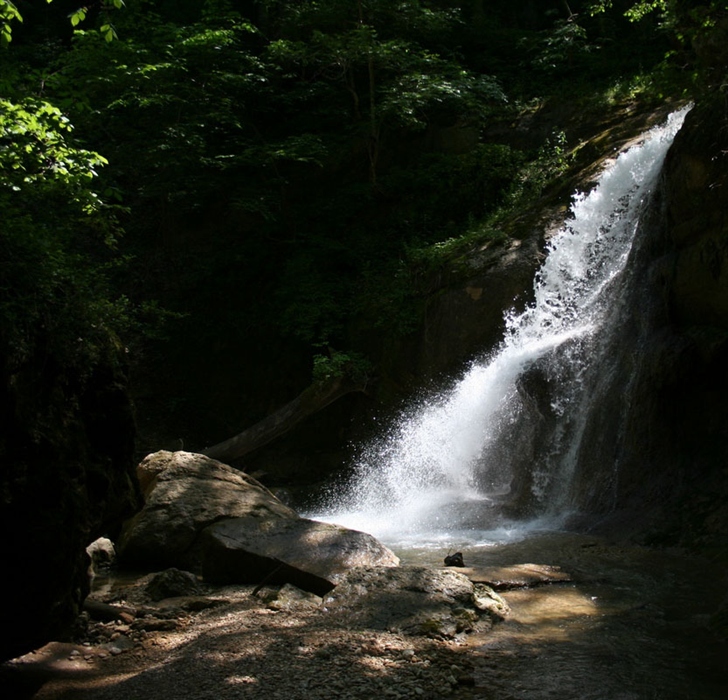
(656, 459)
(66, 458)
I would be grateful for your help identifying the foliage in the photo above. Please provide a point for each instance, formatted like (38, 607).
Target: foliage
(560, 46)
(684, 17)
(36, 156)
(340, 364)
(53, 220)
(9, 13)
(635, 12)
(288, 167)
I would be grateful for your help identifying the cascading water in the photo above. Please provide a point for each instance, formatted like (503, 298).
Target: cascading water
(504, 439)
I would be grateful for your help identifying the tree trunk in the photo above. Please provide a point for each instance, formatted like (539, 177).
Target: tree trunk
(102, 611)
(316, 397)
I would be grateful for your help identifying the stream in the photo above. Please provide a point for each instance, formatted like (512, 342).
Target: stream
(631, 623)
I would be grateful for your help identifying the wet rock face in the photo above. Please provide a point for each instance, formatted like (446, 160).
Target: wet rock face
(663, 425)
(697, 228)
(468, 313)
(463, 312)
(66, 450)
(695, 275)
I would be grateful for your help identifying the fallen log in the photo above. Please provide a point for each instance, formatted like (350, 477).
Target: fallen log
(315, 398)
(108, 613)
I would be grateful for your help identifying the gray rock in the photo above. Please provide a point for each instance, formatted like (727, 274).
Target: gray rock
(415, 600)
(172, 583)
(487, 600)
(204, 516)
(184, 493)
(308, 554)
(102, 555)
(289, 597)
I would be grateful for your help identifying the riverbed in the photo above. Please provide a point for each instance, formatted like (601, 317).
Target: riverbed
(623, 623)
(590, 619)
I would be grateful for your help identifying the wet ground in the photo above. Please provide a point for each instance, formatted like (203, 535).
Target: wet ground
(589, 620)
(598, 621)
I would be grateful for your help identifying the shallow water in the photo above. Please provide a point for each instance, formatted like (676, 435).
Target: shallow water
(628, 623)
(632, 624)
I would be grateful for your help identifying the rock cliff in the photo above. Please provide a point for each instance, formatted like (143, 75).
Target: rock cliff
(668, 434)
(66, 450)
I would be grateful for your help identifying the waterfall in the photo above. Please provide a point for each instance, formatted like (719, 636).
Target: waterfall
(494, 454)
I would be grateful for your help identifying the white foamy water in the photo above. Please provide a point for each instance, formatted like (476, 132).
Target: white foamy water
(435, 477)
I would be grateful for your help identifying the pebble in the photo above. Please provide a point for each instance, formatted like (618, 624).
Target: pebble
(295, 666)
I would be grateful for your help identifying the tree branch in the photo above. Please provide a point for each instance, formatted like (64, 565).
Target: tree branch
(313, 399)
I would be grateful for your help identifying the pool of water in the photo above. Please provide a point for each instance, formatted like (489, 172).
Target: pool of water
(632, 623)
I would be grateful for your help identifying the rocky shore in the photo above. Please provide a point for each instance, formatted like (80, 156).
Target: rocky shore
(585, 617)
(232, 643)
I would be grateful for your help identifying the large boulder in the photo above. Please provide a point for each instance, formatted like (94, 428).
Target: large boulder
(204, 516)
(308, 554)
(183, 494)
(415, 600)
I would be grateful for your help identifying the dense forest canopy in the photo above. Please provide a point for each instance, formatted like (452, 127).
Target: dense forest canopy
(229, 185)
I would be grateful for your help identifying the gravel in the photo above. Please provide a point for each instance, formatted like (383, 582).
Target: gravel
(242, 648)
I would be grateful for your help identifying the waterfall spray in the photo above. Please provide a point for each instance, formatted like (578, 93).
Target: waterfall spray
(460, 463)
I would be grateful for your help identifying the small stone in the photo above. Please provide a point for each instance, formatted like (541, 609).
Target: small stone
(114, 651)
(74, 654)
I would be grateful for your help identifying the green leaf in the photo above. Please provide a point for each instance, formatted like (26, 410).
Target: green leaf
(78, 16)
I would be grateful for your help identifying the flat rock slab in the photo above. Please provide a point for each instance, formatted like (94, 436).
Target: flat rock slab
(503, 578)
(415, 600)
(305, 553)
